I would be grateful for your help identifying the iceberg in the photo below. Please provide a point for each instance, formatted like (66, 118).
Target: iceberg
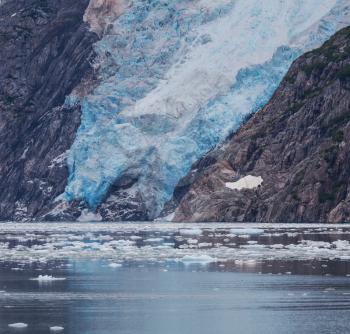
(47, 278)
(56, 329)
(18, 325)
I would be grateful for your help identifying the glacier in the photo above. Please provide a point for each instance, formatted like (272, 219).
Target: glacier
(176, 78)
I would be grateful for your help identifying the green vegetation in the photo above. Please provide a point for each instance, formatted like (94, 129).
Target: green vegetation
(309, 69)
(312, 92)
(290, 79)
(299, 177)
(40, 4)
(336, 122)
(5, 37)
(9, 99)
(330, 196)
(330, 50)
(330, 155)
(338, 136)
(295, 196)
(324, 197)
(344, 73)
(10, 76)
(345, 31)
(296, 107)
(23, 32)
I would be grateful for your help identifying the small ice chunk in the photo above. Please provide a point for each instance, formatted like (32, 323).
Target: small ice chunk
(18, 325)
(204, 244)
(47, 278)
(135, 237)
(154, 240)
(191, 231)
(56, 329)
(198, 259)
(247, 182)
(246, 231)
(87, 216)
(115, 265)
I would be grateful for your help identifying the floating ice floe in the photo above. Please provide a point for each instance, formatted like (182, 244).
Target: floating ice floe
(191, 231)
(198, 259)
(152, 240)
(56, 329)
(47, 278)
(115, 265)
(18, 325)
(246, 231)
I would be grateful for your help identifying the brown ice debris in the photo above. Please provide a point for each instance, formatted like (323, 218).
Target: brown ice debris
(101, 13)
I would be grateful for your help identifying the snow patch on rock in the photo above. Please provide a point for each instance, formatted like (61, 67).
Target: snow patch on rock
(247, 182)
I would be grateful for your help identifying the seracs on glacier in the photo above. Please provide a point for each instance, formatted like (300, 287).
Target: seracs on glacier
(177, 76)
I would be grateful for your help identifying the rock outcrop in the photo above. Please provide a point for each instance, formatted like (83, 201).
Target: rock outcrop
(46, 52)
(299, 144)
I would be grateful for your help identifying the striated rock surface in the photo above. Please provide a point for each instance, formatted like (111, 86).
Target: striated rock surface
(46, 50)
(298, 144)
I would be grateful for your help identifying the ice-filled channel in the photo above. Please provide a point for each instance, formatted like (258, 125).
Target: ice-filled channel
(165, 278)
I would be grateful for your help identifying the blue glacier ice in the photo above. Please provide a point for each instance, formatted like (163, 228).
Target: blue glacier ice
(176, 77)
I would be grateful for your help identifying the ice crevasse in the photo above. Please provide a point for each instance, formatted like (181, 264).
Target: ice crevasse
(177, 76)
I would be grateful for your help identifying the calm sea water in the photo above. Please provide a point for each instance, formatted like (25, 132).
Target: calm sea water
(140, 279)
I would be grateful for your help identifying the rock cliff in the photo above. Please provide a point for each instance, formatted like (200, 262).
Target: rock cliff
(298, 144)
(46, 50)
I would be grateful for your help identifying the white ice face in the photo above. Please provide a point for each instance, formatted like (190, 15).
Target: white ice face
(177, 76)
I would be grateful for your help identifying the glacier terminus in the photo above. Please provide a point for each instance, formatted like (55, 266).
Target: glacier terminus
(176, 77)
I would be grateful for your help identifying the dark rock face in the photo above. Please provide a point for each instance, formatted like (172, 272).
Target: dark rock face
(299, 144)
(45, 52)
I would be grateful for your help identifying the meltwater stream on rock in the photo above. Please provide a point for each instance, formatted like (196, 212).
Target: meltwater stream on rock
(167, 278)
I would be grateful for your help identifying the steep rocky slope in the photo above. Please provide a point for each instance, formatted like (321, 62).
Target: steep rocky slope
(298, 144)
(45, 52)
